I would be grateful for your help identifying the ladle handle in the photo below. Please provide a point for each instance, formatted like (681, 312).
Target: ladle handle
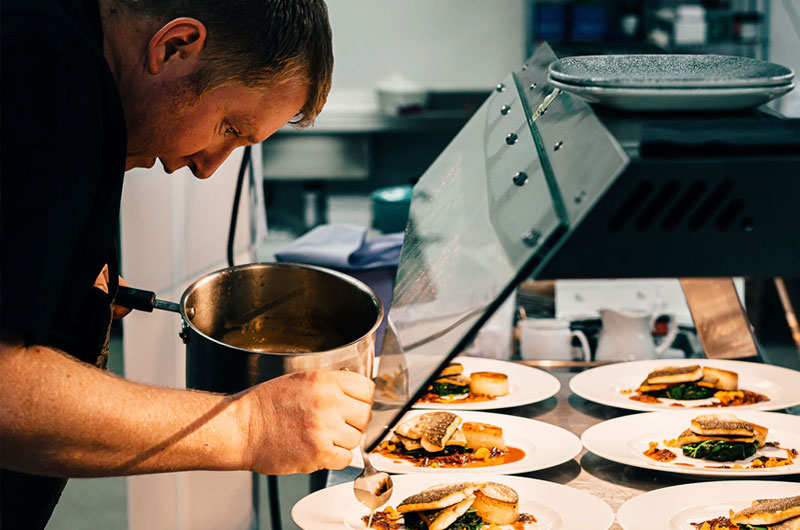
(142, 300)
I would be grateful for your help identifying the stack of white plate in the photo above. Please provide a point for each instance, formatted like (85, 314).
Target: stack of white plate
(671, 82)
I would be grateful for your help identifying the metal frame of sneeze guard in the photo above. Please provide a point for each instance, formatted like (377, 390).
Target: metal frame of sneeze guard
(489, 212)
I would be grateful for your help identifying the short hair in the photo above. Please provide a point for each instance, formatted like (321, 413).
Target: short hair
(257, 42)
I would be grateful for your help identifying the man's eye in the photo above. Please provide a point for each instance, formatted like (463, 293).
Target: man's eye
(229, 129)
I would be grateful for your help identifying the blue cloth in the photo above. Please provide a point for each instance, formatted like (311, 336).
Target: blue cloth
(346, 249)
(343, 247)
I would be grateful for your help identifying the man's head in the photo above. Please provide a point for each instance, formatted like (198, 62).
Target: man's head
(188, 69)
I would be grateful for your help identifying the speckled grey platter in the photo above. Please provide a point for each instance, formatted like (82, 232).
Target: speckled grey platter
(671, 99)
(697, 71)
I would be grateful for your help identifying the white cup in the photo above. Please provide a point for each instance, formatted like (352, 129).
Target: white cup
(550, 339)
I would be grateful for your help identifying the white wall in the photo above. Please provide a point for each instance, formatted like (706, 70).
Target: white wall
(441, 44)
(785, 50)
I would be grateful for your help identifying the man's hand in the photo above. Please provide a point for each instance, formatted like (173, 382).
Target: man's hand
(307, 421)
(102, 283)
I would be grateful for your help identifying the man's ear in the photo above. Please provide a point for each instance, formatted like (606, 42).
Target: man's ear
(177, 44)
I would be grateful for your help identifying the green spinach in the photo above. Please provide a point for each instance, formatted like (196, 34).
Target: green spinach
(685, 391)
(449, 389)
(720, 450)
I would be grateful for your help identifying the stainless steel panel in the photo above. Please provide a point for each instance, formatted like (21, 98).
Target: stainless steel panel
(317, 157)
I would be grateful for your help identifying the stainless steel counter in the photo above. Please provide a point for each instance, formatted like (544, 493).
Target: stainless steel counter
(614, 483)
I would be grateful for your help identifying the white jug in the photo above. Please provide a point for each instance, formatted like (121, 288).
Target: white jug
(627, 335)
(550, 339)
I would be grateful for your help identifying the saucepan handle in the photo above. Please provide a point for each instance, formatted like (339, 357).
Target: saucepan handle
(142, 300)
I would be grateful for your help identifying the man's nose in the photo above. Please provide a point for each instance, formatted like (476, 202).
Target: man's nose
(205, 163)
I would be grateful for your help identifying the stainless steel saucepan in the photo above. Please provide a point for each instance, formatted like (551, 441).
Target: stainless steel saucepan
(247, 324)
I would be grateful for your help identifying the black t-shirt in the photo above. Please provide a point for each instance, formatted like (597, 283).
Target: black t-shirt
(62, 164)
(63, 158)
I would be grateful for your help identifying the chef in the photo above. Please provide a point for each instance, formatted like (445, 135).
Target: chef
(91, 88)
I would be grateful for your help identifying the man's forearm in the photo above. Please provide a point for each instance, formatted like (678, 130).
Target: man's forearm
(62, 417)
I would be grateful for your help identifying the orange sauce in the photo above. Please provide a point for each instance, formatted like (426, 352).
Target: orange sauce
(736, 399)
(522, 521)
(496, 457)
(659, 455)
(381, 521)
(645, 398)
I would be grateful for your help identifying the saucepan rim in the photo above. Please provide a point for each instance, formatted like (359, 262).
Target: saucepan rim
(330, 272)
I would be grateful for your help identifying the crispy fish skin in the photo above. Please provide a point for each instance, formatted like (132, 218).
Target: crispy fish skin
(408, 443)
(439, 496)
(452, 369)
(441, 519)
(458, 379)
(675, 374)
(417, 426)
(438, 433)
(688, 437)
(768, 511)
(788, 524)
(644, 387)
(722, 424)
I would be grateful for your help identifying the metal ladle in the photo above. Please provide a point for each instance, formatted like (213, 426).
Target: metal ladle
(372, 488)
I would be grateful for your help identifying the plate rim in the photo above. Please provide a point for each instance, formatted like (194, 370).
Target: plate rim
(600, 81)
(478, 470)
(763, 90)
(492, 405)
(644, 407)
(698, 472)
(600, 504)
(707, 486)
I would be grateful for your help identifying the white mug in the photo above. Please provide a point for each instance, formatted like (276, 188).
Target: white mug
(550, 339)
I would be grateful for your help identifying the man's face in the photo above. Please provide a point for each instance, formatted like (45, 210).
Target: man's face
(183, 129)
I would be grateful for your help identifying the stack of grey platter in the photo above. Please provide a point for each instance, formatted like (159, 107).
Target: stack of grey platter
(671, 82)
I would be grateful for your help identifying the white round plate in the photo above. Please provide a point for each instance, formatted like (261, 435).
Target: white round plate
(545, 445)
(525, 385)
(555, 507)
(604, 383)
(624, 440)
(675, 99)
(676, 507)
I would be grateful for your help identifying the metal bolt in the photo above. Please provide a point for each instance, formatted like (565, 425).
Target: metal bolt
(512, 138)
(533, 85)
(531, 237)
(524, 66)
(500, 87)
(558, 145)
(520, 178)
(505, 109)
(579, 198)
